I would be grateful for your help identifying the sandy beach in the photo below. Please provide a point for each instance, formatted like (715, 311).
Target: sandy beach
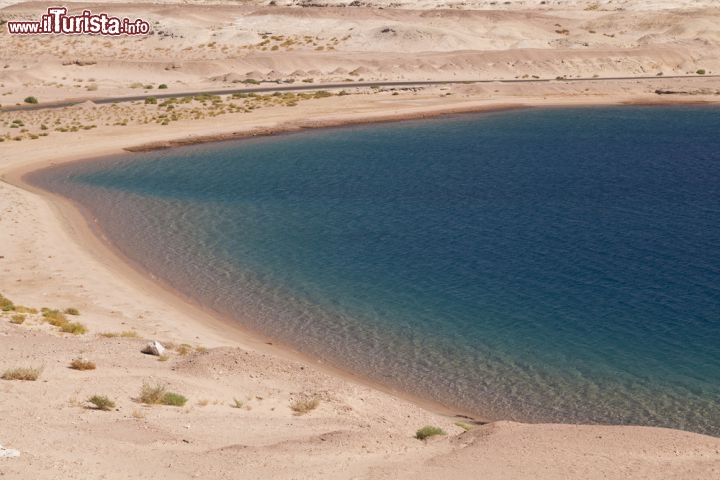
(240, 419)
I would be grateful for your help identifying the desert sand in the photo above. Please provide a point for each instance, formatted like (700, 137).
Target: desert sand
(238, 421)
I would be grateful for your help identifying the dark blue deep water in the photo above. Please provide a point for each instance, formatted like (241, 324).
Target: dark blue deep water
(537, 265)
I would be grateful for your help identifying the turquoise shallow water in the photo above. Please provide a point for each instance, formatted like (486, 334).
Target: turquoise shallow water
(537, 265)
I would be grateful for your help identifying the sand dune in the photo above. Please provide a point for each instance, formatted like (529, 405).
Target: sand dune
(199, 44)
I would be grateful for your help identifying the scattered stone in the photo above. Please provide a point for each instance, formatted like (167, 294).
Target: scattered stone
(8, 452)
(154, 348)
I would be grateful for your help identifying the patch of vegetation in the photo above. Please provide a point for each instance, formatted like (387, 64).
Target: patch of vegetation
(304, 405)
(58, 319)
(54, 317)
(76, 328)
(30, 100)
(151, 101)
(17, 319)
(29, 374)
(162, 86)
(464, 425)
(158, 395)
(701, 71)
(428, 431)
(101, 402)
(80, 364)
(237, 403)
(174, 399)
(72, 311)
(6, 305)
(125, 334)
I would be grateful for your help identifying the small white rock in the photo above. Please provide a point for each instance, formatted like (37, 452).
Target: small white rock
(8, 452)
(154, 348)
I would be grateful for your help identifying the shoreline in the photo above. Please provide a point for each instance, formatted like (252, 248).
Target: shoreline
(93, 239)
(76, 220)
(431, 114)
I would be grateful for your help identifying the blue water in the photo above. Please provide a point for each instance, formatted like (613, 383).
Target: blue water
(537, 265)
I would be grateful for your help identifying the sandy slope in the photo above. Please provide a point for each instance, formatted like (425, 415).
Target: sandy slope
(48, 257)
(199, 45)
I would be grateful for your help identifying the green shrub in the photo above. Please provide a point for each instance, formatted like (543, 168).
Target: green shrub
(173, 399)
(150, 101)
(101, 402)
(72, 311)
(30, 100)
(428, 431)
(701, 71)
(162, 86)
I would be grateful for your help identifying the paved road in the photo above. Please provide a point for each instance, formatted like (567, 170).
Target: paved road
(319, 86)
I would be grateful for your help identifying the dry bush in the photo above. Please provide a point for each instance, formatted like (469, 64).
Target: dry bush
(58, 319)
(465, 426)
(24, 309)
(22, 373)
(80, 364)
(158, 395)
(304, 405)
(76, 328)
(6, 305)
(54, 317)
(125, 334)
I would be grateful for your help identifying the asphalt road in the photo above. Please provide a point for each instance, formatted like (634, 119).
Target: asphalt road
(160, 94)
